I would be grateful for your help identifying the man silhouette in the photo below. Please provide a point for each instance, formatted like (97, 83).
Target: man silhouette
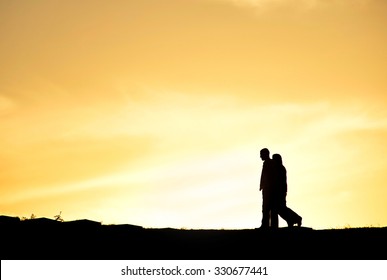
(269, 209)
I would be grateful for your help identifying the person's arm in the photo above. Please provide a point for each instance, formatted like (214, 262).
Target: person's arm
(264, 175)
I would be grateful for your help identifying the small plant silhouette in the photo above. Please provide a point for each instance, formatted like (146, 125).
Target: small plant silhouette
(33, 216)
(59, 217)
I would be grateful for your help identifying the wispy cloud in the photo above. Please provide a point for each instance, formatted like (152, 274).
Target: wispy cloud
(302, 4)
(6, 105)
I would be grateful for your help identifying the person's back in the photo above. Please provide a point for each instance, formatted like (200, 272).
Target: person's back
(281, 188)
(280, 180)
(267, 175)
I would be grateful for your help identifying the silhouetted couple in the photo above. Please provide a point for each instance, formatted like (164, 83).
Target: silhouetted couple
(274, 190)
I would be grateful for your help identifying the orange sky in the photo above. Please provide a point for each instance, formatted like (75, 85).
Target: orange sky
(153, 112)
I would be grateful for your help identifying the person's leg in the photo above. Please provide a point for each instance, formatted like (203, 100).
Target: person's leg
(298, 219)
(274, 218)
(275, 202)
(294, 218)
(282, 209)
(265, 210)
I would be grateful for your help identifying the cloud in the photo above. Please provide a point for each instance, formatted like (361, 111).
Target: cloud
(6, 105)
(268, 4)
(307, 3)
(265, 5)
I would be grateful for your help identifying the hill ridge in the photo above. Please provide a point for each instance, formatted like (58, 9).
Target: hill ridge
(44, 238)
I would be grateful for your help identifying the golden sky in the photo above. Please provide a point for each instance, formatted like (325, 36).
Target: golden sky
(153, 112)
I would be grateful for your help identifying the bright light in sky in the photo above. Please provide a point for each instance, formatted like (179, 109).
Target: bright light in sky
(153, 112)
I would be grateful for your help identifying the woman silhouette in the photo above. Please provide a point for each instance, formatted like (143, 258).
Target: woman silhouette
(281, 189)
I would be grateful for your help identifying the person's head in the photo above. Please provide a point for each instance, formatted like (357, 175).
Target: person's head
(265, 154)
(277, 158)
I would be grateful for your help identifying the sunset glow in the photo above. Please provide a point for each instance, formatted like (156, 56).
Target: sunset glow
(153, 112)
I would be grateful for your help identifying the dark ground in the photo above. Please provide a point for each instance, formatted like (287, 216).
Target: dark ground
(45, 239)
